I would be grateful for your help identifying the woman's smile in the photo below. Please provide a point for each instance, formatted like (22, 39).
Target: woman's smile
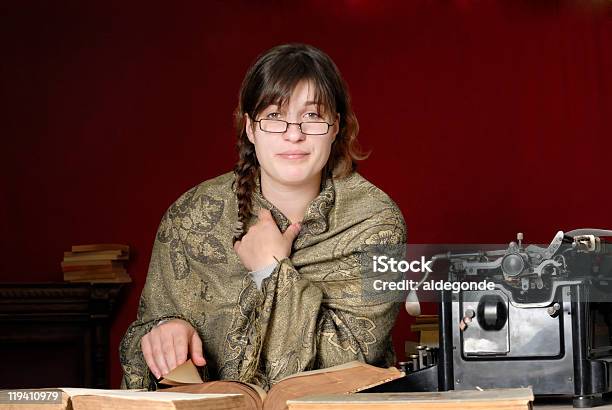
(293, 154)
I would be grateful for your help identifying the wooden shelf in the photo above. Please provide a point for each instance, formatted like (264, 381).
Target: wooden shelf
(55, 334)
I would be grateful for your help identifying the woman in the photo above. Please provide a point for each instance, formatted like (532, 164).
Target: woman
(259, 273)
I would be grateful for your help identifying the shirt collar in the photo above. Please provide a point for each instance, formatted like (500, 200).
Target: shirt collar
(316, 219)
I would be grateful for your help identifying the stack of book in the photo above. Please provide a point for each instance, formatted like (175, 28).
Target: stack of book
(428, 329)
(96, 263)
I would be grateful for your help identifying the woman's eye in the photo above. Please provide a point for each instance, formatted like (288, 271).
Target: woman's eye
(273, 115)
(313, 115)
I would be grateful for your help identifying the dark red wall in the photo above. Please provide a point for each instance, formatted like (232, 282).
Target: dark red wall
(484, 117)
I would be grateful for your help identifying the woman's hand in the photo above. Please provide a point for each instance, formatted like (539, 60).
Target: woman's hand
(264, 242)
(165, 346)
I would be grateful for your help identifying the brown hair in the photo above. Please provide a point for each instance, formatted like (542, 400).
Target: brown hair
(271, 80)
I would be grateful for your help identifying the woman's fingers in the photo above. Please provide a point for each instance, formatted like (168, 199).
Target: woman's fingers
(264, 243)
(158, 352)
(195, 349)
(145, 345)
(264, 214)
(180, 348)
(292, 232)
(165, 347)
(167, 341)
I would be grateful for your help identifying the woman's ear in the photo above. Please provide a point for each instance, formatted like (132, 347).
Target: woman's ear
(336, 127)
(249, 128)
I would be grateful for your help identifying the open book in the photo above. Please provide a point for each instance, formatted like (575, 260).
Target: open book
(347, 378)
(498, 399)
(100, 399)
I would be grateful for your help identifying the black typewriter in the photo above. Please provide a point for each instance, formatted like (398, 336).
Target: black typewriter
(546, 324)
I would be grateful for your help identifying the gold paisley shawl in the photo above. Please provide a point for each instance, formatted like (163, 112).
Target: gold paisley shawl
(310, 313)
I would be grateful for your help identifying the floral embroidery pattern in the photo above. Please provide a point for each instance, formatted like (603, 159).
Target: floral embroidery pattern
(236, 339)
(386, 237)
(348, 332)
(186, 228)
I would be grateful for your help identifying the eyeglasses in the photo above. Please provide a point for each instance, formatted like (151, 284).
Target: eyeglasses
(308, 128)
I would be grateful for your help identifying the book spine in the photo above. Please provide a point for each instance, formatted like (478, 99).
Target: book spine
(100, 247)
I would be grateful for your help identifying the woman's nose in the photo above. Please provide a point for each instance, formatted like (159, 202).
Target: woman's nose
(294, 133)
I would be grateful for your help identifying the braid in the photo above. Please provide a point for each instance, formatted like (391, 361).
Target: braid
(246, 172)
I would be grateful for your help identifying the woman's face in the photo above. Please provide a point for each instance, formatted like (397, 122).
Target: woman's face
(293, 158)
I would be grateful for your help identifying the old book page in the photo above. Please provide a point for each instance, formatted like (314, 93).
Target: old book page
(347, 378)
(498, 399)
(254, 396)
(186, 373)
(99, 399)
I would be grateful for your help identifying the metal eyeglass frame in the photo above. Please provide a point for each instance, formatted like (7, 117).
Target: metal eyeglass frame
(299, 124)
